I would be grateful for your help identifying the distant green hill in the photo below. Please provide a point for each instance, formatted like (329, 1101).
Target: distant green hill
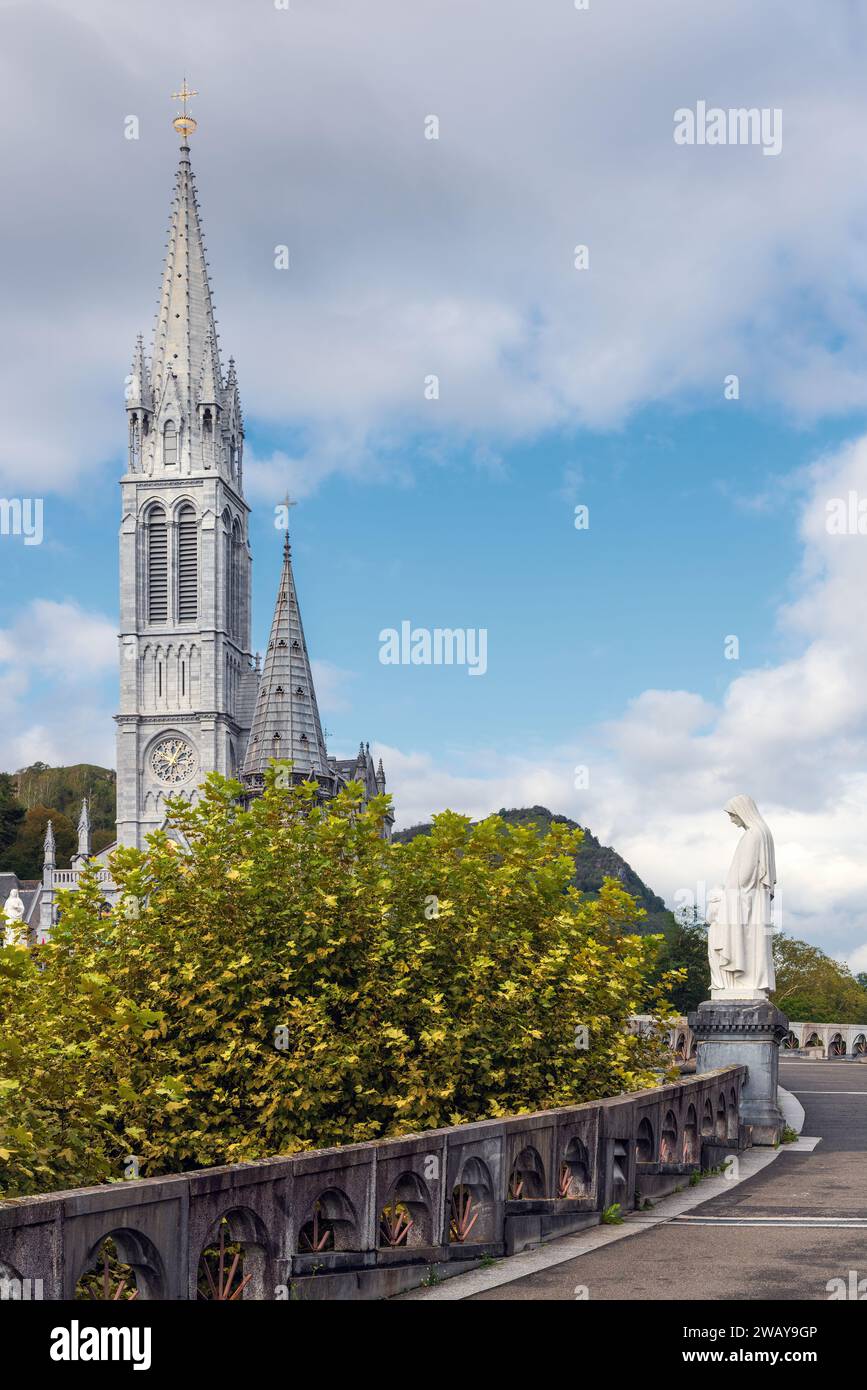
(34, 795)
(593, 863)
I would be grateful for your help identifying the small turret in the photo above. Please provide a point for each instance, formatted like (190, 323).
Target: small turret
(48, 858)
(84, 851)
(139, 405)
(380, 778)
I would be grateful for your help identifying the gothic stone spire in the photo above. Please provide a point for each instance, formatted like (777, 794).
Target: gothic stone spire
(186, 372)
(286, 723)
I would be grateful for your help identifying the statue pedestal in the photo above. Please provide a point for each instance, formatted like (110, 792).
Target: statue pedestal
(745, 1032)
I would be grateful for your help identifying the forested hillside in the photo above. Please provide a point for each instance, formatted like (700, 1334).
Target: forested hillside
(34, 795)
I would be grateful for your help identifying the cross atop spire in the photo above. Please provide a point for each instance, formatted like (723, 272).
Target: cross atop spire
(286, 504)
(184, 123)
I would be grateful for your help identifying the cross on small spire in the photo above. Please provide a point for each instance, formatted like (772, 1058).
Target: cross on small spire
(287, 503)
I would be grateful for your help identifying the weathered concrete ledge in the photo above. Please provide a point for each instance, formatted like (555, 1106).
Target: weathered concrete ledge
(521, 1180)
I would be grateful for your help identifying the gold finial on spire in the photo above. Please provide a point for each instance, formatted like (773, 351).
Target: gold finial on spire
(184, 123)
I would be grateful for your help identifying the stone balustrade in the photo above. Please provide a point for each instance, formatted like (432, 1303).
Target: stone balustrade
(471, 1191)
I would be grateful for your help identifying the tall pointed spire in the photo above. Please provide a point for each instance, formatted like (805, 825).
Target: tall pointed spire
(286, 722)
(186, 372)
(186, 329)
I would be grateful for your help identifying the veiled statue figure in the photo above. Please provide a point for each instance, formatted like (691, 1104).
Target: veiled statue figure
(739, 915)
(13, 916)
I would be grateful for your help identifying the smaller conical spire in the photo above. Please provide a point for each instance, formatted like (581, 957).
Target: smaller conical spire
(380, 777)
(286, 721)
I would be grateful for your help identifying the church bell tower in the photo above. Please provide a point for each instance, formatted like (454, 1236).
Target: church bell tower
(187, 682)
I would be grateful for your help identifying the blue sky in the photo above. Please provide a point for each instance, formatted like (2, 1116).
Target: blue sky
(680, 504)
(410, 256)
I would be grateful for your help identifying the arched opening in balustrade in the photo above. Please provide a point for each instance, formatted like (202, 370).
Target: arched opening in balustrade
(837, 1046)
(859, 1046)
(691, 1141)
(668, 1146)
(331, 1224)
(707, 1118)
(471, 1213)
(680, 1050)
(791, 1041)
(405, 1219)
(722, 1117)
(814, 1040)
(575, 1172)
(527, 1178)
(233, 1262)
(122, 1265)
(12, 1285)
(693, 1049)
(645, 1143)
(734, 1114)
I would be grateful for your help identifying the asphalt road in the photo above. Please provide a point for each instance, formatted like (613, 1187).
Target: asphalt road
(729, 1247)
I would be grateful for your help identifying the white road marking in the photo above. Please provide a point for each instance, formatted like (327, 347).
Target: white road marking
(849, 1223)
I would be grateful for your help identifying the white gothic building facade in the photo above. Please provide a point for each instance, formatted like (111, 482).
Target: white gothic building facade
(194, 698)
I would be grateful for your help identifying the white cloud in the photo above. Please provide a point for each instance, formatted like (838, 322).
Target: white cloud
(411, 256)
(53, 701)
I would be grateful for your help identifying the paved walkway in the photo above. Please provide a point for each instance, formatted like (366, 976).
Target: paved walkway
(798, 1222)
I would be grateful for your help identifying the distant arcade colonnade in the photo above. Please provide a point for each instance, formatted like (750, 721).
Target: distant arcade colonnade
(822, 1040)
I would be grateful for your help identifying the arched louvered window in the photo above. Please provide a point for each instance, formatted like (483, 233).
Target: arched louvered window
(236, 579)
(188, 566)
(158, 566)
(170, 443)
(227, 569)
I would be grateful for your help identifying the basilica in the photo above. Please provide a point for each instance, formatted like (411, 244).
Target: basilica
(193, 696)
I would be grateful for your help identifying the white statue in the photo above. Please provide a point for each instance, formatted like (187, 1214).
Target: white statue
(13, 913)
(739, 915)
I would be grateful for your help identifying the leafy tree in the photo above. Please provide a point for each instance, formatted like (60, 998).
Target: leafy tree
(594, 863)
(684, 948)
(25, 856)
(814, 988)
(280, 977)
(11, 812)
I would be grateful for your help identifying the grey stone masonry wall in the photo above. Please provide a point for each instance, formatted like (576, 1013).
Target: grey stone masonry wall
(516, 1181)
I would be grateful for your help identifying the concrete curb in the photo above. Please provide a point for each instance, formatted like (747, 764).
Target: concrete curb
(792, 1109)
